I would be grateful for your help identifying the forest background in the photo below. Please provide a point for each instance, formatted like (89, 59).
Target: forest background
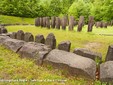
(102, 10)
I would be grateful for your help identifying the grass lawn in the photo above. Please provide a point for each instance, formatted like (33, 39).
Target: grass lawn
(4, 19)
(15, 68)
(93, 40)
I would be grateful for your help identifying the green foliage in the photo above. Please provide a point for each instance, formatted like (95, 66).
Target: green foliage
(97, 10)
(66, 5)
(55, 8)
(73, 11)
(22, 8)
(100, 9)
(80, 8)
(108, 8)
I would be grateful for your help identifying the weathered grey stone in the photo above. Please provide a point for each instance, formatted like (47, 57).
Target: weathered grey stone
(13, 44)
(20, 35)
(80, 23)
(0, 31)
(53, 19)
(44, 21)
(41, 22)
(90, 24)
(97, 24)
(51, 41)
(4, 30)
(9, 34)
(71, 23)
(1, 27)
(73, 64)
(88, 53)
(28, 37)
(37, 21)
(58, 22)
(35, 51)
(3, 38)
(67, 20)
(106, 72)
(47, 22)
(39, 39)
(109, 56)
(6, 34)
(13, 35)
(101, 26)
(104, 24)
(64, 23)
(64, 45)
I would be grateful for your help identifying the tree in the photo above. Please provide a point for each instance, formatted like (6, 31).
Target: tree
(65, 5)
(100, 9)
(55, 8)
(108, 10)
(97, 10)
(79, 8)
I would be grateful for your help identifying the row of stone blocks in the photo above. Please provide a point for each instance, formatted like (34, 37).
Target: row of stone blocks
(101, 24)
(79, 63)
(56, 22)
(74, 63)
(44, 55)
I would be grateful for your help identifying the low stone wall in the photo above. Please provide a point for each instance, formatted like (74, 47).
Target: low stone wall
(73, 64)
(80, 63)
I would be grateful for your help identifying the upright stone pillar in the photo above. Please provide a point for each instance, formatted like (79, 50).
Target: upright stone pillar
(104, 24)
(4, 30)
(41, 22)
(90, 24)
(13, 35)
(64, 23)
(64, 45)
(39, 38)
(37, 21)
(109, 56)
(20, 35)
(44, 21)
(47, 22)
(51, 41)
(53, 19)
(58, 22)
(71, 23)
(28, 37)
(80, 23)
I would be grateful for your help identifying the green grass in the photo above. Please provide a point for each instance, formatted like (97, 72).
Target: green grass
(93, 41)
(12, 67)
(4, 19)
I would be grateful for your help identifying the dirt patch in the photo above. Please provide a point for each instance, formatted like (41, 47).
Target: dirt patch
(93, 45)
